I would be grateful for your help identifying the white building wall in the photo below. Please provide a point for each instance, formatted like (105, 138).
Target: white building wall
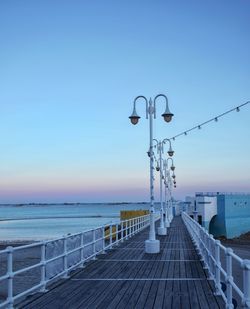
(189, 201)
(206, 207)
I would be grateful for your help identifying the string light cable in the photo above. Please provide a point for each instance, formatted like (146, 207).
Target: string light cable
(199, 126)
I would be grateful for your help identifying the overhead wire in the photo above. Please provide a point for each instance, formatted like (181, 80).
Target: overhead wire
(199, 126)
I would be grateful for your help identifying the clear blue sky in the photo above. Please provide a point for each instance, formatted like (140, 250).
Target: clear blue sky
(69, 71)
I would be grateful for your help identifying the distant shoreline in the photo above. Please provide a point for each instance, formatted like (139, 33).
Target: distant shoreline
(69, 204)
(56, 217)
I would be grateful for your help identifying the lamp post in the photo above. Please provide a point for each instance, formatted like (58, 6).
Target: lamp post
(152, 245)
(168, 181)
(162, 229)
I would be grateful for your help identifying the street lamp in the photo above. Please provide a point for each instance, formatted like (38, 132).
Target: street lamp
(152, 245)
(170, 150)
(161, 229)
(172, 167)
(168, 187)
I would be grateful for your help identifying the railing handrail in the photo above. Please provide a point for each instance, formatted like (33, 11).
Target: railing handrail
(212, 261)
(41, 242)
(123, 230)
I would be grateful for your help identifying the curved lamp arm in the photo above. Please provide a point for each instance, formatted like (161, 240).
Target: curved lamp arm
(167, 115)
(170, 151)
(134, 116)
(172, 167)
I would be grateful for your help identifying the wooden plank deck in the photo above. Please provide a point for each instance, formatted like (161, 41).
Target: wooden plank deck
(126, 277)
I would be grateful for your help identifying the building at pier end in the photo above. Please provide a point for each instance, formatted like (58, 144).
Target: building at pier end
(221, 213)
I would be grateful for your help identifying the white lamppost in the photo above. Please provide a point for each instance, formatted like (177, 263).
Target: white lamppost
(152, 245)
(168, 181)
(162, 229)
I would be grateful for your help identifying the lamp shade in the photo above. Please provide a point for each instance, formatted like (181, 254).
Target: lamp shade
(167, 116)
(134, 119)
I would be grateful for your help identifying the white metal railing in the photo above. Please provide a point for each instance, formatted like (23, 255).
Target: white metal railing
(211, 251)
(56, 258)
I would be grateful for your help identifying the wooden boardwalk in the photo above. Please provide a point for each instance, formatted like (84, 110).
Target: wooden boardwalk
(126, 277)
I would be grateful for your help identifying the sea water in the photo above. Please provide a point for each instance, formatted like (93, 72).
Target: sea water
(37, 222)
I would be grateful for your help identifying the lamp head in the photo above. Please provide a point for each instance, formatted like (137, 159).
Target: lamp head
(170, 152)
(167, 115)
(134, 119)
(172, 168)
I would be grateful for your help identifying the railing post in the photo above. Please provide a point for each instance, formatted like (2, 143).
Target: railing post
(116, 233)
(43, 267)
(126, 229)
(103, 240)
(246, 283)
(10, 276)
(229, 278)
(110, 235)
(130, 227)
(210, 255)
(65, 258)
(94, 244)
(200, 243)
(217, 268)
(81, 252)
(122, 231)
(204, 250)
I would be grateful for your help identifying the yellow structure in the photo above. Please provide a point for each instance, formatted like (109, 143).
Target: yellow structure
(129, 214)
(124, 215)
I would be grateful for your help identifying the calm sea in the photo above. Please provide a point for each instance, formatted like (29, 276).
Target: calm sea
(37, 222)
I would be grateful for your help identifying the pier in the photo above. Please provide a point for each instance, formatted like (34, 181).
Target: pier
(127, 277)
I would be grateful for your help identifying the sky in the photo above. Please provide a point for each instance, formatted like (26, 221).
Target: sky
(69, 72)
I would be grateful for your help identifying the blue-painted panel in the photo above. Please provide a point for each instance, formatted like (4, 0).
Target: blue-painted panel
(233, 216)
